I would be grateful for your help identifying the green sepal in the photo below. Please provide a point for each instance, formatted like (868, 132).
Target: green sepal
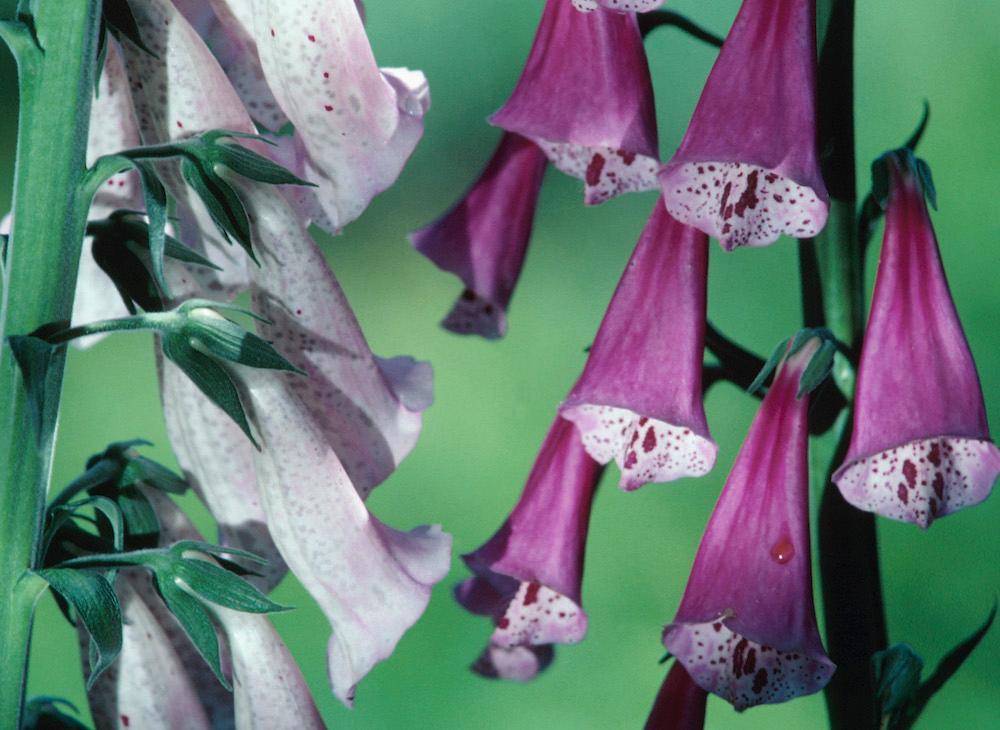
(249, 164)
(95, 602)
(43, 713)
(897, 676)
(818, 369)
(227, 340)
(218, 585)
(222, 201)
(769, 365)
(140, 469)
(154, 196)
(35, 358)
(120, 22)
(139, 515)
(197, 624)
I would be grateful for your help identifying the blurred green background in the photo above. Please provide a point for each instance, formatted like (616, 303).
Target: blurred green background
(494, 400)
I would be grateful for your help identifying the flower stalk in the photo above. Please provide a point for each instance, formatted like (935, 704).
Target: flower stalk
(55, 57)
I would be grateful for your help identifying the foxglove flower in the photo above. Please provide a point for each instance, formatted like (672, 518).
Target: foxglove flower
(680, 703)
(528, 575)
(484, 237)
(586, 99)
(921, 445)
(746, 627)
(516, 663)
(639, 399)
(355, 125)
(746, 170)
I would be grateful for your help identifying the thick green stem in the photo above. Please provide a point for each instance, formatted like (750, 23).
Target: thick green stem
(56, 81)
(833, 285)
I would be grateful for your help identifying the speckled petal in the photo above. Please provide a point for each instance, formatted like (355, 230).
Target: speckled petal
(539, 615)
(359, 124)
(217, 460)
(624, 6)
(370, 413)
(371, 581)
(483, 239)
(585, 97)
(747, 168)
(517, 663)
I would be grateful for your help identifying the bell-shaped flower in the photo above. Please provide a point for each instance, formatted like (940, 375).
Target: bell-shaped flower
(746, 627)
(680, 703)
(624, 6)
(585, 97)
(747, 170)
(639, 399)
(356, 124)
(528, 576)
(484, 237)
(921, 445)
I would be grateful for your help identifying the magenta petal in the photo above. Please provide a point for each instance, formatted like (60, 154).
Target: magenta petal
(517, 663)
(680, 703)
(528, 575)
(484, 237)
(921, 446)
(586, 99)
(639, 399)
(746, 627)
(747, 170)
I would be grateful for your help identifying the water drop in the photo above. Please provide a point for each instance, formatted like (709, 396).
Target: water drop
(782, 551)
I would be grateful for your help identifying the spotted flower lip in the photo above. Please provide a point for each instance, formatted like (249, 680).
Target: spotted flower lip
(484, 237)
(921, 446)
(585, 97)
(746, 627)
(680, 703)
(747, 169)
(639, 399)
(528, 576)
(625, 6)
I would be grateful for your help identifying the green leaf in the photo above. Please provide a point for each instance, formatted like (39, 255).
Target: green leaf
(897, 676)
(219, 586)
(96, 604)
(769, 366)
(35, 358)
(140, 517)
(197, 624)
(211, 379)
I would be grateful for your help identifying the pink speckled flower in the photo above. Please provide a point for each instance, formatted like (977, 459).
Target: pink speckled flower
(639, 399)
(680, 703)
(528, 575)
(921, 445)
(747, 170)
(625, 6)
(586, 99)
(484, 237)
(746, 627)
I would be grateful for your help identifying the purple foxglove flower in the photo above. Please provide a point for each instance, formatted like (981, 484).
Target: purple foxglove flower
(746, 170)
(356, 124)
(680, 703)
(217, 460)
(516, 663)
(639, 399)
(921, 446)
(746, 627)
(528, 575)
(484, 237)
(586, 99)
(625, 6)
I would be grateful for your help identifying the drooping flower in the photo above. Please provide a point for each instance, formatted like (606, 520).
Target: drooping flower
(680, 703)
(639, 399)
(516, 663)
(627, 6)
(586, 99)
(746, 627)
(921, 446)
(528, 575)
(355, 125)
(747, 170)
(483, 239)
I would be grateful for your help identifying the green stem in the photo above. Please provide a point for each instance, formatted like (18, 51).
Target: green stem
(56, 81)
(833, 285)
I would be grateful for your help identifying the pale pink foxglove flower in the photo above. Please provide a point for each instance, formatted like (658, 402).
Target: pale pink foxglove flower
(746, 627)
(483, 239)
(639, 399)
(585, 97)
(528, 576)
(747, 169)
(921, 446)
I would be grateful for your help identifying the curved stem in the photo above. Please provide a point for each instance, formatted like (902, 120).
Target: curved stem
(650, 21)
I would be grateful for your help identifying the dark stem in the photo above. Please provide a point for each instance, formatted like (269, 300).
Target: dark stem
(649, 21)
(848, 547)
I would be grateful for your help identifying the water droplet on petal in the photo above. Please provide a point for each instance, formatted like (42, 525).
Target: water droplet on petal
(782, 551)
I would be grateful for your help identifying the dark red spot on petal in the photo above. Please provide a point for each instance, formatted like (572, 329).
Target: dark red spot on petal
(593, 174)
(312, 38)
(649, 442)
(328, 107)
(503, 623)
(531, 595)
(910, 473)
(934, 455)
(749, 197)
(759, 680)
(904, 497)
(125, 720)
(938, 485)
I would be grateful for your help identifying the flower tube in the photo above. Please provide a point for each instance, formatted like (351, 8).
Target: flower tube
(528, 575)
(747, 170)
(639, 399)
(680, 703)
(746, 627)
(484, 237)
(586, 99)
(921, 446)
